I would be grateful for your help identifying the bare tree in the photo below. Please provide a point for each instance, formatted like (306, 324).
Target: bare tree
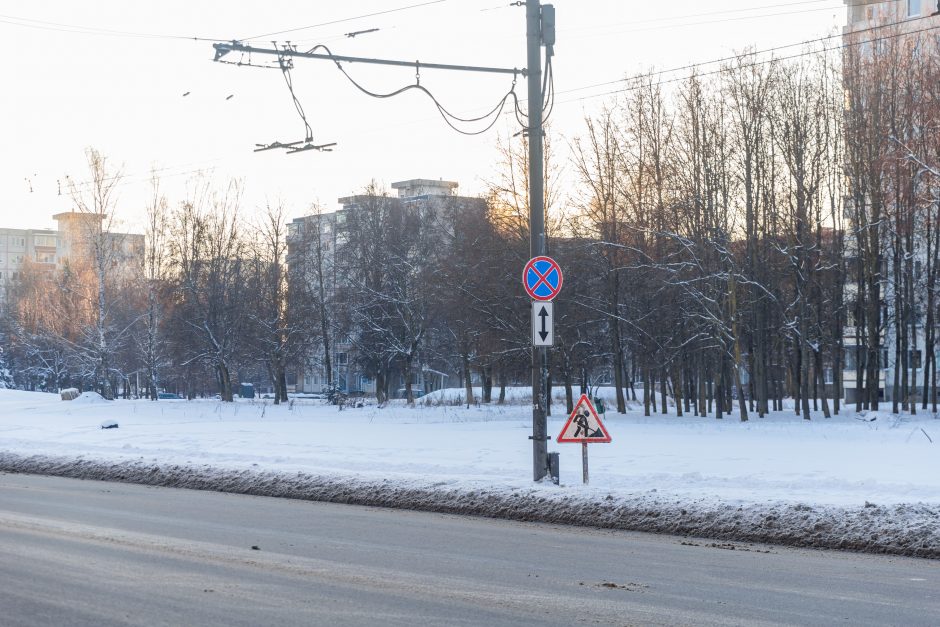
(209, 275)
(92, 244)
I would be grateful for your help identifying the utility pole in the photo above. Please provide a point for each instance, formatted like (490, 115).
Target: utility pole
(537, 243)
(540, 31)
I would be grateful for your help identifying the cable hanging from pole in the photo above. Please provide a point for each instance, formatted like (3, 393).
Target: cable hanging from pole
(448, 117)
(548, 97)
(286, 64)
(287, 51)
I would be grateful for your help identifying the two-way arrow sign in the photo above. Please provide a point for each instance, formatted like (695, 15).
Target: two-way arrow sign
(543, 333)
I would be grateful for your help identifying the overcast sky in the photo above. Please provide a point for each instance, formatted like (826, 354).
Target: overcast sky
(113, 74)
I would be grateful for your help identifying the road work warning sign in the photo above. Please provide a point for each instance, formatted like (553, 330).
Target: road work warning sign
(584, 425)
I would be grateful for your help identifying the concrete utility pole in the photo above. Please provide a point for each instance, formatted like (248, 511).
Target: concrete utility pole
(537, 243)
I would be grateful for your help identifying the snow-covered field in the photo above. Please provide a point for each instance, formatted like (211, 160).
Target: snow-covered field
(868, 482)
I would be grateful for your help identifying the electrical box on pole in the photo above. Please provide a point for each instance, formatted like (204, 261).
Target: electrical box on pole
(548, 25)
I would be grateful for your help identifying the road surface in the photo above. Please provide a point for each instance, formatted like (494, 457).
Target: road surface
(78, 552)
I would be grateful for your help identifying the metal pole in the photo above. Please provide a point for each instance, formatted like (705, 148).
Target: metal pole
(533, 14)
(584, 463)
(222, 49)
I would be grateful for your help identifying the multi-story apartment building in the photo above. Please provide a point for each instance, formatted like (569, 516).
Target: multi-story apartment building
(328, 232)
(19, 245)
(875, 30)
(50, 249)
(864, 14)
(78, 231)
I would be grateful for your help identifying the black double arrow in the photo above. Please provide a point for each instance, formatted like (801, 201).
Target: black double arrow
(543, 314)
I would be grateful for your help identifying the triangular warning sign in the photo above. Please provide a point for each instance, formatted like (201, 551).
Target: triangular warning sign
(583, 424)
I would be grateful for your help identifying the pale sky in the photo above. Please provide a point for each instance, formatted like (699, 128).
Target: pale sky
(80, 73)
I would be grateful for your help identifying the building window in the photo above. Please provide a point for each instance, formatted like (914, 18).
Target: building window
(913, 8)
(45, 257)
(850, 318)
(855, 354)
(44, 240)
(341, 359)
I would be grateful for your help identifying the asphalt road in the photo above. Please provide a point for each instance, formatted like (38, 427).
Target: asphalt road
(90, 553)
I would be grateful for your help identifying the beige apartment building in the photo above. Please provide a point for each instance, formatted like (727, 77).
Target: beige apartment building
(910, 15)
(52, 248)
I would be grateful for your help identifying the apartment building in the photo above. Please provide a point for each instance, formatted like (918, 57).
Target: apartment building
(50, 249)
(864, 14)
(328, 231)
(873, 29)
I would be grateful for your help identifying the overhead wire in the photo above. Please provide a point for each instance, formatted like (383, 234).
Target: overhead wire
(548, 88)
(449, 117)
(345, 19)
(636, 79)
(738, 18)
(698, 64)
(744, 10)
(123, 178)
(93, 30)
(285, 65)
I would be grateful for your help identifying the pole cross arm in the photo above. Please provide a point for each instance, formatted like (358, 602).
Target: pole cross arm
(222, 49)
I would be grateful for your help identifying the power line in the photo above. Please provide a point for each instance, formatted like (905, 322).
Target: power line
(727, 11)
(345, 19)
(748, 65)
(449, 118)
(141, 177)
(457, 10)
(729, 19)
(698, 64)
(26, 22)
(706, 22)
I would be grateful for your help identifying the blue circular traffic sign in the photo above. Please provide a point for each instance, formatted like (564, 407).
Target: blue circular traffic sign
(542, 278)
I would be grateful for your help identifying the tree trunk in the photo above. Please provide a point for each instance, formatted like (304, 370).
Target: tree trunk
(282, 382)
(818, 368)
(225, 382)
(662, 391)
(467, 379)
(486, 382)
(677, 390)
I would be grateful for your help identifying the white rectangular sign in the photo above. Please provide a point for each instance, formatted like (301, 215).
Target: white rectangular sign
(543, 323)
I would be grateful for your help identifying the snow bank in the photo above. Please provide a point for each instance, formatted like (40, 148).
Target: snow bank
(87, 398)
(911, 530)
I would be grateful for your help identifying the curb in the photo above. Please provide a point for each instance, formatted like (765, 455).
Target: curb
(911, 530)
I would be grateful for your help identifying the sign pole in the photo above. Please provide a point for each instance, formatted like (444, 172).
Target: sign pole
(584, 462)
(584, 425)
(533, 12)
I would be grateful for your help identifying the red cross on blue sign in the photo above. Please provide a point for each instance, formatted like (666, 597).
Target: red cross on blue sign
(542, 278)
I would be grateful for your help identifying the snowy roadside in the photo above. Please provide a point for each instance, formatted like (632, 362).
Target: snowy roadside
(868, 483)
(904, 529)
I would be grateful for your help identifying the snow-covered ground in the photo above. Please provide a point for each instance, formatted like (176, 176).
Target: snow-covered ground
(852, 481)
